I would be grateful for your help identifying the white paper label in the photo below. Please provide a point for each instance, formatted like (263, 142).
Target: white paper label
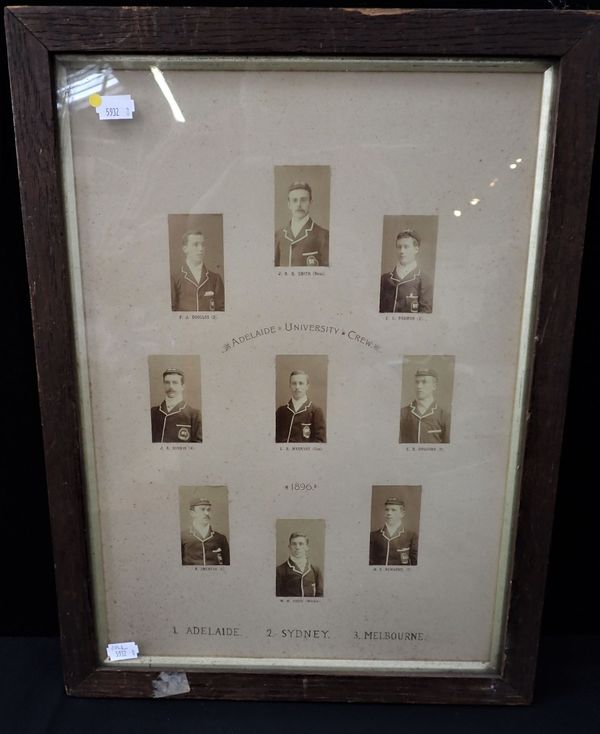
(116, 107)
(122, 651)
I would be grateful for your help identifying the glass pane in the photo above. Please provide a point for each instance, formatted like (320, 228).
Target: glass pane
(303, 293)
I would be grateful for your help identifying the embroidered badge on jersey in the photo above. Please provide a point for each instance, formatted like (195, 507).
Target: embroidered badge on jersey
(184, 433)
(211, 303)
(306, 430)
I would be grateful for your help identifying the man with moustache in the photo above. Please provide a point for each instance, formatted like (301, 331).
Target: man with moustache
(299, 420)
(407, 289)
(194, 287)
(298, 576)
(200, 544)
(174, 421)
(393, 545)
(301, 243)
(423, 421)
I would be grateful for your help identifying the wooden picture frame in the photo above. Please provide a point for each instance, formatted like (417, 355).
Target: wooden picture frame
(569, 41)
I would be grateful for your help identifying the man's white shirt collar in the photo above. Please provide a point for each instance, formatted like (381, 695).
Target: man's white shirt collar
(170, 403)
(424, 407)
(195, 270)
(298, 227)
(298, 403)
(198, 531)
(402, 272)
(294, 562)
(390, 532)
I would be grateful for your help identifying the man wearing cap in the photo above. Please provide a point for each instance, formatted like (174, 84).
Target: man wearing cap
(407, 289)
(423, 421)
(299, 420)
(297, 576)
(301, 243)
(174, 421)
(393, 545)
(200, 544)
(194, 287)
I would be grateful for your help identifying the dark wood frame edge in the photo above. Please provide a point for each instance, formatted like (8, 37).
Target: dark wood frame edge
(570, 37)
(576, 118)
(43, 216)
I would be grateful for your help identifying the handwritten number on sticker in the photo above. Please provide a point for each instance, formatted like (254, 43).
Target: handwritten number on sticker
(122, 651)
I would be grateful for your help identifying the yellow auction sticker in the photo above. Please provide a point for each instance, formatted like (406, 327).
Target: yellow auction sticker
(95, 100)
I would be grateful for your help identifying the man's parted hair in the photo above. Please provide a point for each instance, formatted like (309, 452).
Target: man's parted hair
(298, 535)
(299, 372)
(189, 233)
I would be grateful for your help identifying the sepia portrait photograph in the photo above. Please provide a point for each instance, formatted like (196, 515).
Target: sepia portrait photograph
(395, 515)
(204, 523)
(300, 554)
(196, 262)
(427, 387)
(407, 264)
(302, 197)
(176, 409)
(301, 398)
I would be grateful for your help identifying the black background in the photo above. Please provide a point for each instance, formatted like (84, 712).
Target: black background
(28, 605)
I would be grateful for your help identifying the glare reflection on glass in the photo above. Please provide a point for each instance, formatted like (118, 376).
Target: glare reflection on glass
(87, 81)
(168, 94)
(476, 200)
